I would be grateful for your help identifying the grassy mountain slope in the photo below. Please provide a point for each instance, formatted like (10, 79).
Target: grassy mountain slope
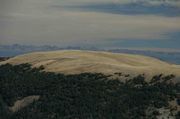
(76, 62)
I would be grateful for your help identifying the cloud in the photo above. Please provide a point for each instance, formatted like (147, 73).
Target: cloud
(69, 27)
(37, 22)
(171, 41)
(131, 8)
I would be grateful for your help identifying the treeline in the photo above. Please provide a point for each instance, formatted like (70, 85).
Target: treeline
(82, 96)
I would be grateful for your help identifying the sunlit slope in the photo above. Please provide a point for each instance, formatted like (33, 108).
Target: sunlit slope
(76, 61)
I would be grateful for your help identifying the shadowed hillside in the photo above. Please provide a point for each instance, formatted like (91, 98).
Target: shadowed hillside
(30, 93)
(3, 58)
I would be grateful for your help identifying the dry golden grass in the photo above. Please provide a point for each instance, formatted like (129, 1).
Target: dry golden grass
(19, 104)
(76, 61)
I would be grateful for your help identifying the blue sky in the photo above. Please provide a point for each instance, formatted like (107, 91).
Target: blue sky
(98, 23)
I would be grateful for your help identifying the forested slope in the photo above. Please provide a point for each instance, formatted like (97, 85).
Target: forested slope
(84, 96)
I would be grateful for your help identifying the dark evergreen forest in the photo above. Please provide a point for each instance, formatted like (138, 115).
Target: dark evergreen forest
(83, 96)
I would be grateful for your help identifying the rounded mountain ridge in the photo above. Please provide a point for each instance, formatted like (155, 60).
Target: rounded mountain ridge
(78, 61)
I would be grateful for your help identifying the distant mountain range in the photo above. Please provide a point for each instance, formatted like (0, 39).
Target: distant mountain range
(171, 57)
(17, 49)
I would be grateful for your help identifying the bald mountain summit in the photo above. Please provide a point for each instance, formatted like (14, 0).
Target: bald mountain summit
(75, 84)
(78, 61)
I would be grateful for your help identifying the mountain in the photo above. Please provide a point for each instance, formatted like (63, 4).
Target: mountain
(168, 55)
(77, 61)
(75, 84)
(162, 54)
(17, 49)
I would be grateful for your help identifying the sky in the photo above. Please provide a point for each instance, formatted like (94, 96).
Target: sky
(96, 23)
